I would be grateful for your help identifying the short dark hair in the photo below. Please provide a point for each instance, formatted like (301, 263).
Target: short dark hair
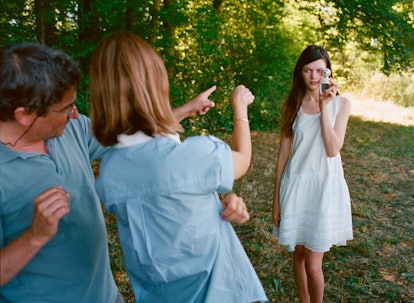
(35, 77)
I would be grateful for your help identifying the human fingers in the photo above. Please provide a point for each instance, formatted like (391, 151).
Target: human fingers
(52, 191)
(51, 200)
(201, 108)
(333, 86)
(49, 208)
(329, 94)
(201, 104)
(235, 209)
(242, 94)
(276, 219)
(249, 97)
(206, 103)
(205, 94)
(333, 89)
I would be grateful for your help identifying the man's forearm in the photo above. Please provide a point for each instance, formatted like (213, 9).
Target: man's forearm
(15, 256)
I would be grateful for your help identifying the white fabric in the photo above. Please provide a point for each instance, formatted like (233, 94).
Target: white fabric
(314, 197)
(140, 137)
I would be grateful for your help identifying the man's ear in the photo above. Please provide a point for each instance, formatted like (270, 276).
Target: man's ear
(23, 117)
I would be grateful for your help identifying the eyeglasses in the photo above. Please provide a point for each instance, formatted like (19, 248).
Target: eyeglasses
(70, 113)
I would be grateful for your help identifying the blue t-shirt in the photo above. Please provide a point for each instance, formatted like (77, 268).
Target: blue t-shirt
(74, 265)
(177, 248)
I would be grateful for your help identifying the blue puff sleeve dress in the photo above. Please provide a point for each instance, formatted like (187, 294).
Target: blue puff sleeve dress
(176, 246)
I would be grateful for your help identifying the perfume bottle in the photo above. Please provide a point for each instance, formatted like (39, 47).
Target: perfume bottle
(325, 82)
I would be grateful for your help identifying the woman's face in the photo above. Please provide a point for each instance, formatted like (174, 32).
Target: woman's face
(312, 74)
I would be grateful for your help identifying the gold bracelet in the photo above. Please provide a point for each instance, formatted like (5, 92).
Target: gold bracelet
(242, 119)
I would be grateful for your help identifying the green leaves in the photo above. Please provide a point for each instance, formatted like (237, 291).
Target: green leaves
(225, 43)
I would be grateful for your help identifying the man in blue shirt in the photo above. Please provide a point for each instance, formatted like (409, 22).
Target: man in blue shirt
(53, 245)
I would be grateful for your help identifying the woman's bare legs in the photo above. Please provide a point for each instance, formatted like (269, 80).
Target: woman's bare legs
(316, 282)
(307, 267)
(299, 270)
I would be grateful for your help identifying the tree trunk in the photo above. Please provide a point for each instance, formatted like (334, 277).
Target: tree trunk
(89, 32)
(217, 6)
(130, 16)
(88, 24)
(169, 29)
(154, 21)
(44, 26)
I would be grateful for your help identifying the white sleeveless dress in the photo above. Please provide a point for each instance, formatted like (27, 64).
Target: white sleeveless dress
(314, 197)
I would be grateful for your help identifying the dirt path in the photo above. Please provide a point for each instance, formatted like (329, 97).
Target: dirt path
(377, 111)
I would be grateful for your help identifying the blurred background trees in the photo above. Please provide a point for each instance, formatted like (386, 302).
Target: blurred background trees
(225, 43)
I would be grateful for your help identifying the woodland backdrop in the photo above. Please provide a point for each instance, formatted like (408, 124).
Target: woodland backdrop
(256, 43)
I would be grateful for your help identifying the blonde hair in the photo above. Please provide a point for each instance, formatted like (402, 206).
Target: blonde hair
(129, 90)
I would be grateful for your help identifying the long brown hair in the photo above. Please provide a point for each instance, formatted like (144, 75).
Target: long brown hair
(293, 101)
(129, 90)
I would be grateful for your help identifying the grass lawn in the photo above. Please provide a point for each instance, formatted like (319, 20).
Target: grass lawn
(378, 265)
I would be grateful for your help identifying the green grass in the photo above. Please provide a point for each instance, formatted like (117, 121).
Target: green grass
(378, 265)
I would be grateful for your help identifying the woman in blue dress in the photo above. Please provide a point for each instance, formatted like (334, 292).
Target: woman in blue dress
(164, 192)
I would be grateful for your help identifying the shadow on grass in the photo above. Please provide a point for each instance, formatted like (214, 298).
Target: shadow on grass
(377, 266)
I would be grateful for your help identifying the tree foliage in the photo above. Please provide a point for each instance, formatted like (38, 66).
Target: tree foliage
(224, 43)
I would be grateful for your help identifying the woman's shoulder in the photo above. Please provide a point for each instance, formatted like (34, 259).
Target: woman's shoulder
(345, 103)
(343, 99)
(204, 144)
(204, 140)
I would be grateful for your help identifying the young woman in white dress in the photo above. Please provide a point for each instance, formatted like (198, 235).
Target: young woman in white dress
(311, 205)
